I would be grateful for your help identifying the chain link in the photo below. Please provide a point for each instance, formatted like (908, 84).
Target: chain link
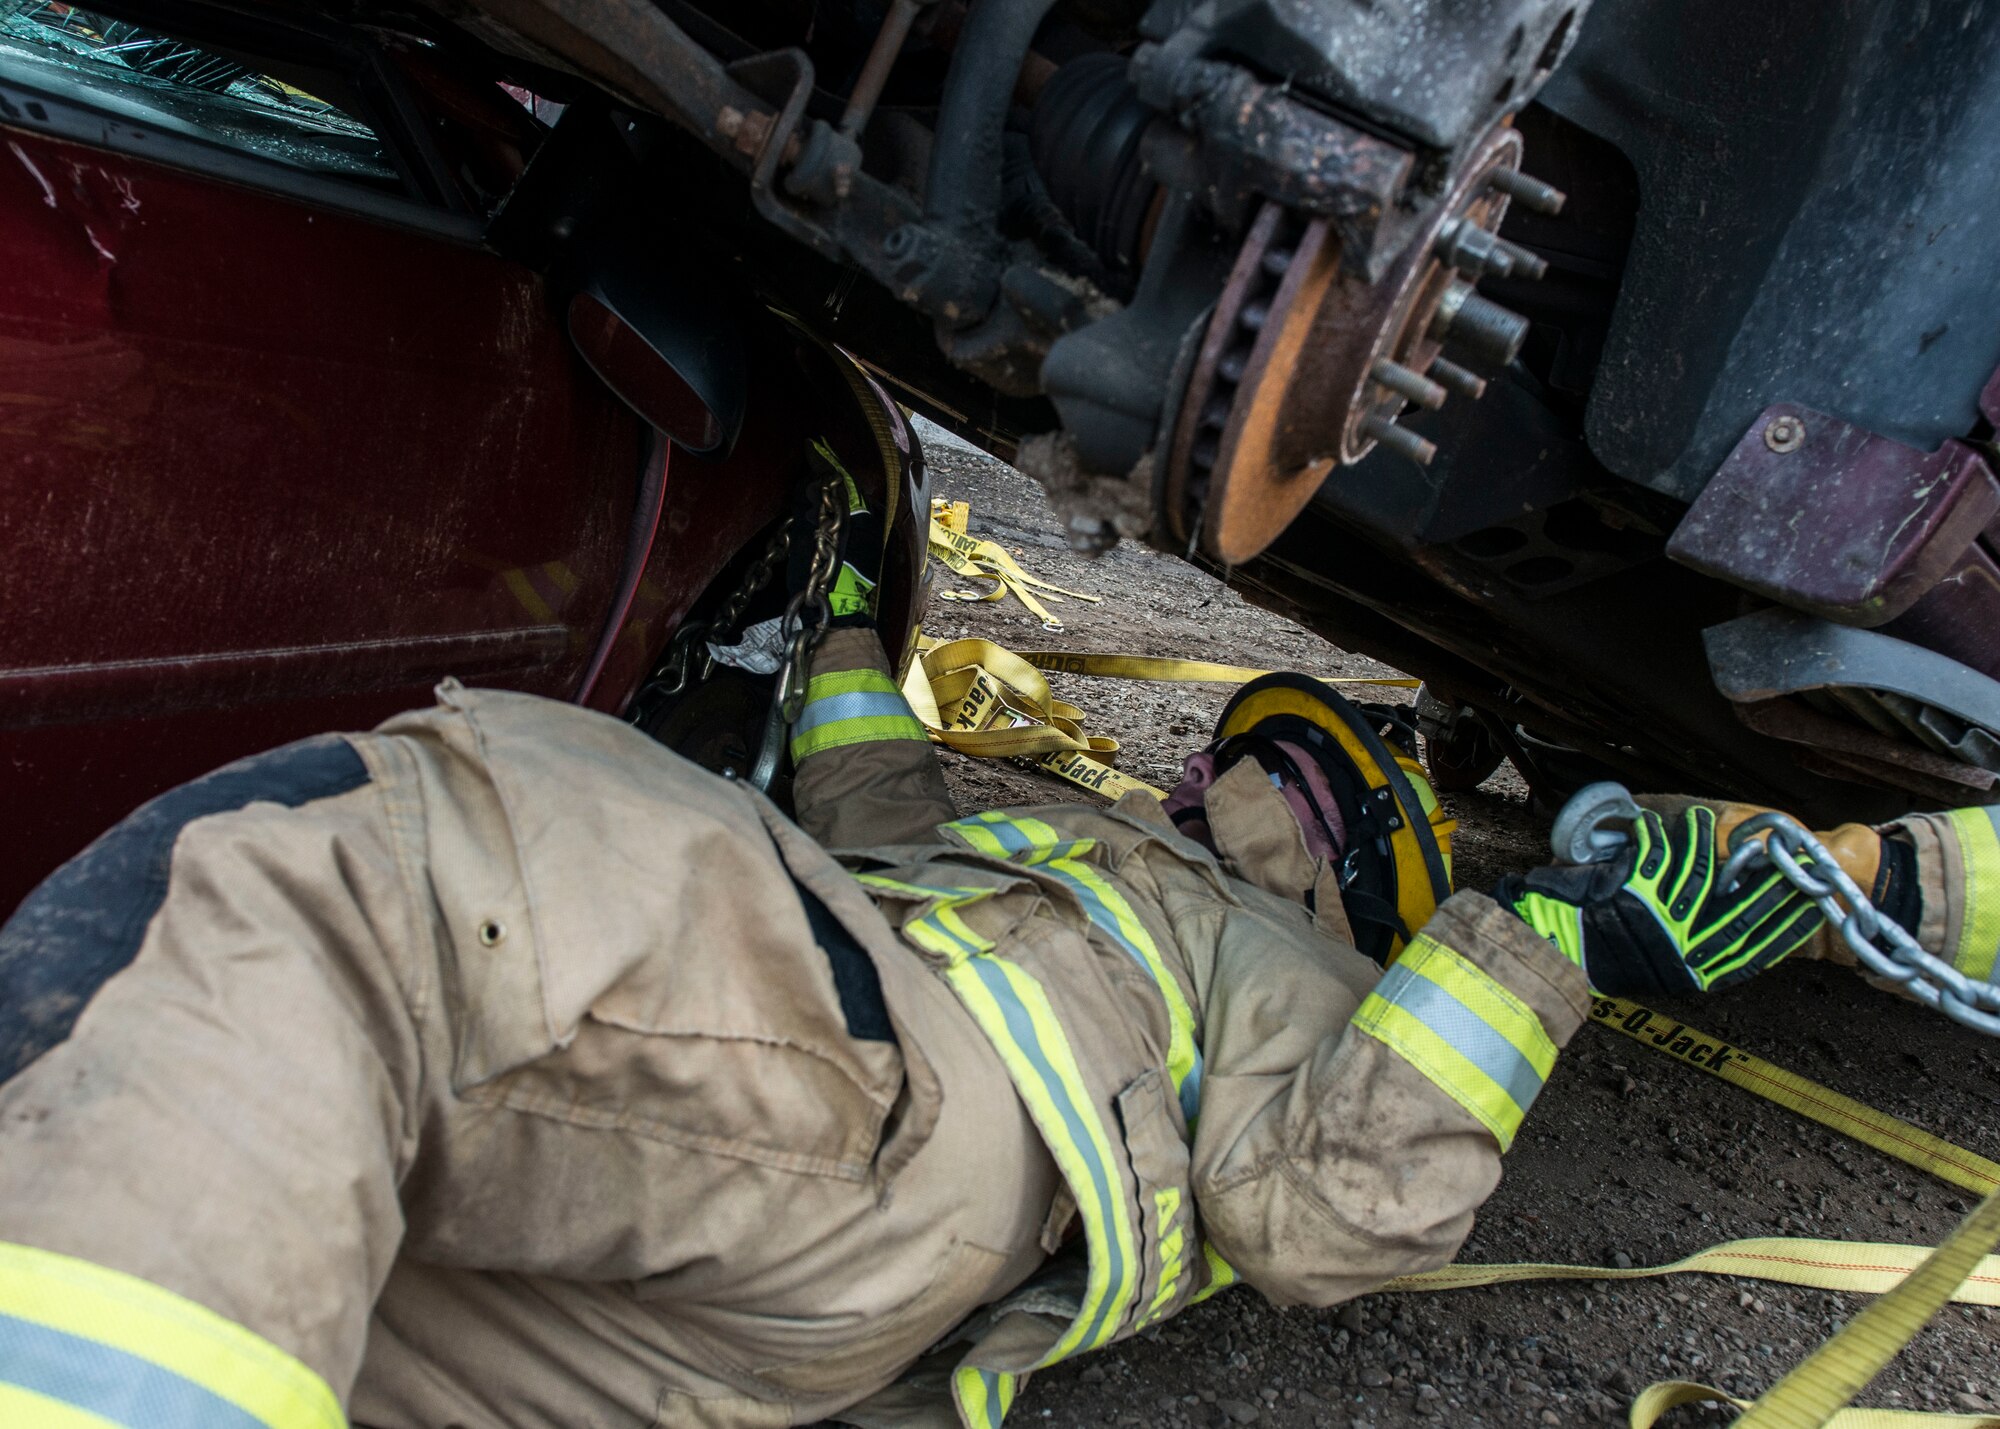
(804, 626)
(675, 672)
(810, 608)
(1883, 945)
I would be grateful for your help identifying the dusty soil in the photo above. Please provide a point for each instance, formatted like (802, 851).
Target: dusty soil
(1627, 1157)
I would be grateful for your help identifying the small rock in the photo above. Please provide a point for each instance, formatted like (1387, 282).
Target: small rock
(1238, 1411)
(1349, 1318)
(1971, 1403)
(1374, 1376)
(1269, 1394)
(1549, 1416)
(1093, 1375)
(1620, 1260)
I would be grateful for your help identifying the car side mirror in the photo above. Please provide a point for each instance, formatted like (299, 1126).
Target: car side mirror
(672, 350)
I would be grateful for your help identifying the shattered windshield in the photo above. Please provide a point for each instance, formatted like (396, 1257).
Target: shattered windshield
(150, 78)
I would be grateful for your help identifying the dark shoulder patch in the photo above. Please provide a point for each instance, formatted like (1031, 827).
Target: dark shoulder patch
(855, 980)
(87, 919)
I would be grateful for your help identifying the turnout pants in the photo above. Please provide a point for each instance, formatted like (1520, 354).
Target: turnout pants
(501, 1068)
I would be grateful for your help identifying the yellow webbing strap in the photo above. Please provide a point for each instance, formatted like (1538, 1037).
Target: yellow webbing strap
(1808, 1098)
(1839, 1369)
(976, 559)
(982, 699)
(1816, 1392)
(1858, 1267)
(1672, 1393)
(1914, 1281)
(1158, 667)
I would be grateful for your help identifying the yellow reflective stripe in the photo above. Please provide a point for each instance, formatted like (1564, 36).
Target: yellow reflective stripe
(1030, 840)
(1173, 1240)
(1221, 1275)
(850, 682)
(1014, 1012)
(908, 890)
(1477, 1042)
(25, 1409)
(133, 1319)
(1979, 856)
(847, 707)
(870, 729)
(982, 839)
(984, 1396)
(938, 929)
(1492, 1001)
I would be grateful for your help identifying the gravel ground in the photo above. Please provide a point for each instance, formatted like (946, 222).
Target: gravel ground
(1628, 1158)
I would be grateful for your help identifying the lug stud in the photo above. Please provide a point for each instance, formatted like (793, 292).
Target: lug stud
(1450, 376)
(1530, 191)
(1398, 439)
(1480, 326)
(1522, 263)
(1414, 386)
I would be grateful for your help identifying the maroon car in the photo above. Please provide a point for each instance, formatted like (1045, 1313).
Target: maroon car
(320, 381)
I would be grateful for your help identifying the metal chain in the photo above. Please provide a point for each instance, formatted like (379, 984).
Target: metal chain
(805, 621)
(804, 626)
(675, 672)
(1883, 945)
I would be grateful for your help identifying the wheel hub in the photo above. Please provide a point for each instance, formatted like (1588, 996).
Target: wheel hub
(1305, 367)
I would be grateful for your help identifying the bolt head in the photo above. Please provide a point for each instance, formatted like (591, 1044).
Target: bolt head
(1785, 434)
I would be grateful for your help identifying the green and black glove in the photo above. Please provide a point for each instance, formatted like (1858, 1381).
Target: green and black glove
(1656, 918)
(852, 595)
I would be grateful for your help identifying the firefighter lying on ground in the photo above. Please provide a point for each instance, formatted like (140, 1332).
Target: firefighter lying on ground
(502, 1068)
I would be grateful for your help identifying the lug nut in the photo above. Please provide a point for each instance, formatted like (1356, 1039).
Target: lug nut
(1532, 192)
(1472, 250)
(1399, 379)
(1276, 261)
(1452, 377)
(1400, 440)
(1253, 316)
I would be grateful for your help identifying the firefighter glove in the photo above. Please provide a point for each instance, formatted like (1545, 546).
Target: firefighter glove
(1656, 918)
(852, 594)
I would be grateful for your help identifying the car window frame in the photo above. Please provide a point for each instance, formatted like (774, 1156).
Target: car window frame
(432, 203)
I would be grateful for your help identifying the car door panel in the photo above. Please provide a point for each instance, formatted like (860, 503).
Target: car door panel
(275, 463)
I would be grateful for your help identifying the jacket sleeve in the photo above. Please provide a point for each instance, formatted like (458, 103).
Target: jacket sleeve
(866, 772)
(1351, 1125)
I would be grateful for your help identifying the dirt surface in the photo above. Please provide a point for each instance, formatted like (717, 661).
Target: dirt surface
(1627, 1158)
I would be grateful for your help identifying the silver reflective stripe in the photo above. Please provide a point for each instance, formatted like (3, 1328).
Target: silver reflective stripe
(1468, 1032)
(859, 705)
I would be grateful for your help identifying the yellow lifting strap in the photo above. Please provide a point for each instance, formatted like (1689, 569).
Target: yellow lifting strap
(1913, 1281)
(982, 699)
(976, 559)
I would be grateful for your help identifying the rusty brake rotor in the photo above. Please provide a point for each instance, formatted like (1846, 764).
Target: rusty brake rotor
(1305, 367)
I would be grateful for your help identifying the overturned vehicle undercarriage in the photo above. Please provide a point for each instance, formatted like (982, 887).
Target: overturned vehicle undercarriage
(1624, 374)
